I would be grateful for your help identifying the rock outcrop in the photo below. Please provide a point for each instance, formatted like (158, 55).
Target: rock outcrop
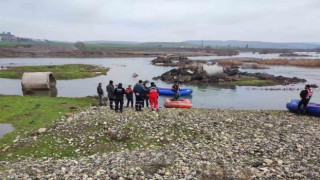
(197, 74)
(171, 60)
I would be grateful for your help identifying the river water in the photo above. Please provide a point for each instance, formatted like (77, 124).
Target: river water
(5, 128)
(204, 96)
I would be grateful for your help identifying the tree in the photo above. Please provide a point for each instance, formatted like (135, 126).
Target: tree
(208, 49)
(80, 45)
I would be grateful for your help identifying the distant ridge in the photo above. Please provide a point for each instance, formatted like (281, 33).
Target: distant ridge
(213, 44)
(111, 42)
(254, 44)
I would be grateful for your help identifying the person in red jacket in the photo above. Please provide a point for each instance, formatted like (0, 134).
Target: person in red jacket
(129, 96)
(153, 92)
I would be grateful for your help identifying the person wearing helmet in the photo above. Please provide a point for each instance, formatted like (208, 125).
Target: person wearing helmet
(119, 93)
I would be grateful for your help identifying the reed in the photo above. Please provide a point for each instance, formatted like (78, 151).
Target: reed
(291, 62)
(230, 62)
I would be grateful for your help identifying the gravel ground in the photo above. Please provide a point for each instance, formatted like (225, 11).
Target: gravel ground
(174, 144)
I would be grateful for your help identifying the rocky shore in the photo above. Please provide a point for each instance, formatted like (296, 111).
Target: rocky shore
(171, 144)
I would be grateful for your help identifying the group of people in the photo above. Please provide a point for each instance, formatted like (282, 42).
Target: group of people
(143, 95)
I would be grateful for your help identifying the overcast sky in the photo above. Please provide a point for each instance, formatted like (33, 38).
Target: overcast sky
(163, 20)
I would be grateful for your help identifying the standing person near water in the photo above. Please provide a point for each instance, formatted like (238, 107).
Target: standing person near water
(305, 96)
(138, 93)
(129, 96)
(175, 88)
(145, 94)
(111, 95)
(153, 92)
(100, 93)
(119, 93)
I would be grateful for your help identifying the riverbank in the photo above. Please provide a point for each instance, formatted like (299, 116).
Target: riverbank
(46, 51)
(66, 71)
(172, 143)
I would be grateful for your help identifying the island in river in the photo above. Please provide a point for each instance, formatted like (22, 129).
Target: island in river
(199, 71)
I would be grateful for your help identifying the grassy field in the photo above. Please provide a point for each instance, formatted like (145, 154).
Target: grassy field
(27, 114)
(50, 43)
(6, 44)
(67, 71)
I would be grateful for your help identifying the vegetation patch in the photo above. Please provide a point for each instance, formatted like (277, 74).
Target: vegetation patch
(252, 82)
(27, 114)
(66, 71)
(291, 62)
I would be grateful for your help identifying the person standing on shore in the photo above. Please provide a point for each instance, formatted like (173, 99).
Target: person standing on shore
(153, 92)
(119, 93)
(100, 93)
(145, 94)
(111, 95)
(305, 96)
(129, 96)
(138, 93)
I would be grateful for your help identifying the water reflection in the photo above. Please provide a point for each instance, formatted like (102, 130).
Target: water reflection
(53, 92)
(5, 129)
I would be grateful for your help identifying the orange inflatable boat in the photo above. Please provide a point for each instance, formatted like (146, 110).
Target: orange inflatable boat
(185, 103)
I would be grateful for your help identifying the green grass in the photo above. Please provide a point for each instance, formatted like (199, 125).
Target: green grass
(50, 43)
(6, 44)
(27, 114)
(67, 71)
(252, 82)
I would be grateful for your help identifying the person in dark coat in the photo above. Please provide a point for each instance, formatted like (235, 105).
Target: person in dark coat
(119, 93)
(176, 88)
(129, 96)
(305, 96)
(139, 95)
(100, 93)
(111, 95)
(145, 95)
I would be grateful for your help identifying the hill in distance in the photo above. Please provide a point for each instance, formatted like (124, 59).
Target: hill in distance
(211, 43)
(254, 44)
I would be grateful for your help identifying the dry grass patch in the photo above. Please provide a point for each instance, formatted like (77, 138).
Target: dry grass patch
(230, 62)
(291, 62)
